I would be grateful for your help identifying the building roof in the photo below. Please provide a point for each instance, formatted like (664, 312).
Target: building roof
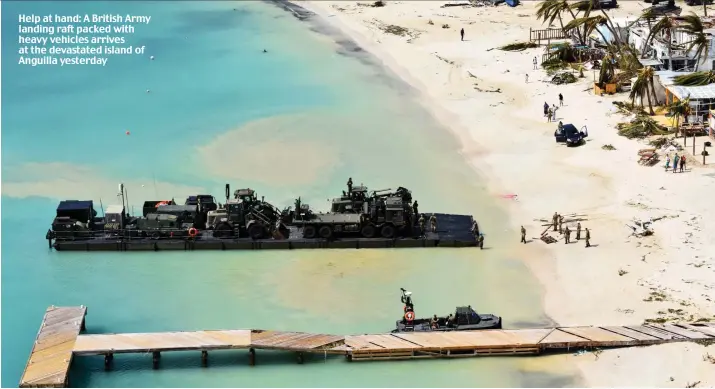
(650, 62)
(695, 92)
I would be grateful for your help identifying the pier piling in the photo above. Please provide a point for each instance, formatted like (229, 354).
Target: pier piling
(108, 358)
(155, 358)
(300, 357)
(252, 357)
(204, 358)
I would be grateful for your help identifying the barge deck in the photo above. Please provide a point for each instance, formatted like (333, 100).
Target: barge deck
(452, 231)
(59, 339)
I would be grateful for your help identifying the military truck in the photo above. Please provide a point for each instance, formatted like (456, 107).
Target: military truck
(206, 203)
(162, 226)
(246, 216)
(387, 214)
(74, 219)
(151, 205)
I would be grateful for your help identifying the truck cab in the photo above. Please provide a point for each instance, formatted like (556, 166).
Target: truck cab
(207, 202)
(74, 219)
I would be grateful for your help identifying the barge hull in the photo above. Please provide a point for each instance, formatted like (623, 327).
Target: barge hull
(452, 231)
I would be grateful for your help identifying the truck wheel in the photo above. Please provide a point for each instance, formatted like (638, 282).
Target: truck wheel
(387, 231)
(222, 230)
(256, 231)
(368, 231)
(309, 232)
(325, 232)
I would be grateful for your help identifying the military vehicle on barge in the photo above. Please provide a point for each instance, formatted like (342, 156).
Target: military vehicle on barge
(358, 219)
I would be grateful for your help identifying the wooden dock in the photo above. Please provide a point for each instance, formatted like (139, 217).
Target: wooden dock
(59, 339)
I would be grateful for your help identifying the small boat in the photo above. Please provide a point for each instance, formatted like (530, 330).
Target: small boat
(464, 319)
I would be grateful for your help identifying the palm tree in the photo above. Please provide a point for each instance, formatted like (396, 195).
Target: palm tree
(693, 26)
(678, 109)
(664, 26)
(550, 10)
(641, 87)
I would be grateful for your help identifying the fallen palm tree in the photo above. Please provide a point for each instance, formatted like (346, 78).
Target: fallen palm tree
(695, 79)
(641, 127)
(519, 46)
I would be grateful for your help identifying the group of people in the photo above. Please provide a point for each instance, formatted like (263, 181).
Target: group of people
(558, 225)
(678, 162)
(550, 111)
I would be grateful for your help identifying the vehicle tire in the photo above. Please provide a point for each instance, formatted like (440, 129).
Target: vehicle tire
(368, 231)
(222, 230)
(156, 235)
(325, 232)
(256, 231)
(387, 231)
(309, 232)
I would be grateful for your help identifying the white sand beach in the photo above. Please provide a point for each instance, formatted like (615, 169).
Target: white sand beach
(482, 97)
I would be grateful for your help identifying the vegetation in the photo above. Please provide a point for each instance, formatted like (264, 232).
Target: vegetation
(659, 142)
(695, 79)
(641, 127)
(554, 65)
(519, 46)
(395, 30)
(679, 109)
(378, 3)
(564, 78)
(608, 147)
(643, 86)
(628, 108)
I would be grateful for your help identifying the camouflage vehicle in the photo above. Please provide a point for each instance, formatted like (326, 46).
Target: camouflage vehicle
(162, 225)
(384, 213)
(246, 215)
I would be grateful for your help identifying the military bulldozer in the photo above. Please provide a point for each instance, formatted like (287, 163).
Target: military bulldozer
(384, 213)
(245, 215)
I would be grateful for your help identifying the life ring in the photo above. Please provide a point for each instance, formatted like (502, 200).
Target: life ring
(409, 316)
(193, 232)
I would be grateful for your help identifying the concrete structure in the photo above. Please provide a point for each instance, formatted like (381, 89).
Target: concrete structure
(658, 48)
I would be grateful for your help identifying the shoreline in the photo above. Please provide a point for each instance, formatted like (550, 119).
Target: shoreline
(613, 282)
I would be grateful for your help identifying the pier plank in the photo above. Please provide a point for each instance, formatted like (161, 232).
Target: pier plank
(599, 335)
(357, 342)
(704, 329)
(681, 331)
(51, 355)
(625, 331)
(161, 341)
(558, 337)
(660, 334)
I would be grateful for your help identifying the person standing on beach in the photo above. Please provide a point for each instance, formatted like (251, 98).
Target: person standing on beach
(535, 62)
(682, 164)
(555, 220)
(480, 241)
(546, 108)
(527, 78)
(561, 223)
(523, 234)
(676, 159)
(578, 231)
(549, 114)
(588, 238)
(561, 100)
(667, 162)
(461, 32)
(567, 235)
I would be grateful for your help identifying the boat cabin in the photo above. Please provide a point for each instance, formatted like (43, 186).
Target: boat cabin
(466, 315)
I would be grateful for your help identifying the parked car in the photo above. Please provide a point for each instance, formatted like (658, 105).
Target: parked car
(569, 134)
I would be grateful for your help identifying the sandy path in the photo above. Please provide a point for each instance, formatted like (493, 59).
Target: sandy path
(506, 139)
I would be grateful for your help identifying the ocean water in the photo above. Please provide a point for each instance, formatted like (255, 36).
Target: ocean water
(296, 121)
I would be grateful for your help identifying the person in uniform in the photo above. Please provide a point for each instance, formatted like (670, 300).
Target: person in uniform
(433, 223)
(588, 238)
(480, 241)
(523, 234)
(414, 208)
(422, 224)
(567, 235)
(350, 185)
(561, 223)
(434, 322)
(555, 220)
(578, 231)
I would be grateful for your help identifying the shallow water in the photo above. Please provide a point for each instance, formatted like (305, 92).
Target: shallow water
(296, 121)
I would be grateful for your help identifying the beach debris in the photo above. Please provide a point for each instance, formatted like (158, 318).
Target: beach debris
(641, 126)
(519, 46)
(622, 272)
(641, 228)
(445, 25)
(379, 3)
(455, 4)
(443, 59)
(694, 384)
(430, 22)
(509, 196)
(608, 147)
(563, 78)
(709, 358)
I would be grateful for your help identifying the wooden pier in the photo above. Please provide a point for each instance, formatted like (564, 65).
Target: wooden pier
(59, 340)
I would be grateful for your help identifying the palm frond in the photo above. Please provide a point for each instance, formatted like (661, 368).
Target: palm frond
(695, 79)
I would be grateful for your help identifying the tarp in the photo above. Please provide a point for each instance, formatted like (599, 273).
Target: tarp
(512, 3)
(75, 205)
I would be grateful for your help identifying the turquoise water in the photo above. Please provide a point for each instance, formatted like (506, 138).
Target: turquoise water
(297, 120)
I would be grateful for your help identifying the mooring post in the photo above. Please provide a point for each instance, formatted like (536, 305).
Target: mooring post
(155, 359)
(84, 326)
(349, 356)
(108, 358)
(300, 358)
(252, 357)
(204, 358)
